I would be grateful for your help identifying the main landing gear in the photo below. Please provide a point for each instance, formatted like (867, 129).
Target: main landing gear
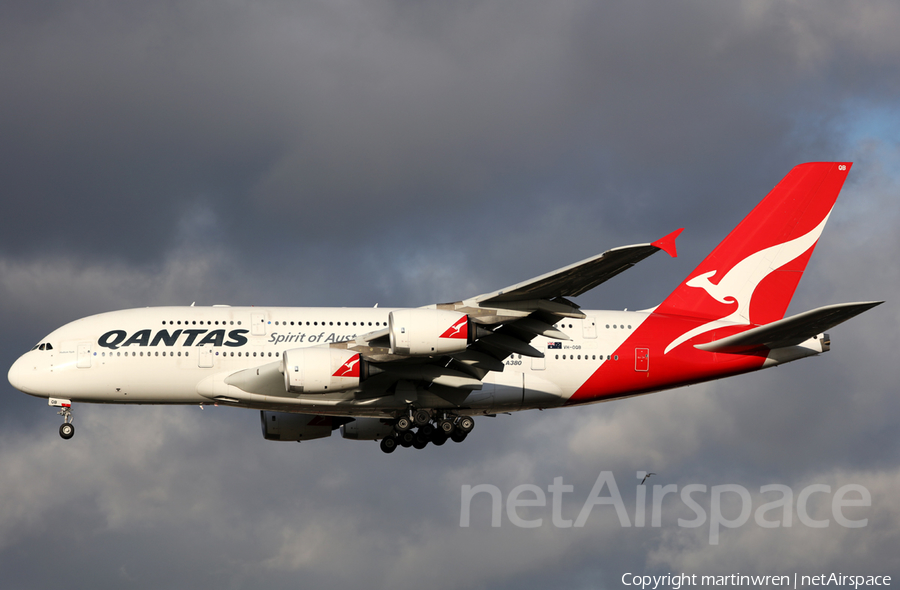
(66, 429)
(435, 429)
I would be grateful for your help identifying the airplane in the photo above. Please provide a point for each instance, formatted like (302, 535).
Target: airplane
(413, 376)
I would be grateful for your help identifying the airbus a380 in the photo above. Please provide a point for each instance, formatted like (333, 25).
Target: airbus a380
(410, 377)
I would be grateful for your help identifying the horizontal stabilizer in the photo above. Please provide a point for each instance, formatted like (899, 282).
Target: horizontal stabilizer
(789, 331)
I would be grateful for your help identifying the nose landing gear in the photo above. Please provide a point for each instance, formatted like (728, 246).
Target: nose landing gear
(66, 429)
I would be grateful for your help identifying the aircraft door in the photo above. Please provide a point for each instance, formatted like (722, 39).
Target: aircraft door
(589, 327)
(205, 358)
(84, 355)
(641, 359)
(258, 324)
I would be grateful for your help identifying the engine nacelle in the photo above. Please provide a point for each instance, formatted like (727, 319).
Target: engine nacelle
(429, 331)
(321, 370)
(295, 427)
(367, 429)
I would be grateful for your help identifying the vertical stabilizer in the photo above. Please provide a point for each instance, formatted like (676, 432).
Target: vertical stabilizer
(751, 276)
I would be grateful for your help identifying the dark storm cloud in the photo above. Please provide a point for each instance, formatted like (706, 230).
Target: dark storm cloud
(286, 115)
(403, 153)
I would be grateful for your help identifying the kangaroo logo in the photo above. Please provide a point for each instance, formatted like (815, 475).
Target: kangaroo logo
(458, 330)
(349, 369)
(740, 283)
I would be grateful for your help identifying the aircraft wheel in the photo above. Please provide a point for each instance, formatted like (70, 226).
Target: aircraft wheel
(388, 444)
(406, 439)
(67, 430)
(403, 424)
(458, 436)
(439, 438)
(466, 424)
(422, 417)
(419, 443)
(446, 427)
(427, 430)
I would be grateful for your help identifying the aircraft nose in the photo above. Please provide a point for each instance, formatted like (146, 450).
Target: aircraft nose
(20, 374)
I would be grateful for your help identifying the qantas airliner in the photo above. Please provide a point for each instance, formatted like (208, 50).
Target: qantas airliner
(410, 377)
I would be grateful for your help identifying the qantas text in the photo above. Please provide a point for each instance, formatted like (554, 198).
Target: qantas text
(119, 338)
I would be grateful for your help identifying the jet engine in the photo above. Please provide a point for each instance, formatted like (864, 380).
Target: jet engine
(429, 331)
(367, 429)
(322, 370)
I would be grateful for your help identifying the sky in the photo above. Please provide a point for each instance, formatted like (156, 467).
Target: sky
(402, 153)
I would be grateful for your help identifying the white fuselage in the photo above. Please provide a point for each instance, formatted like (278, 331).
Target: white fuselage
(181, 355)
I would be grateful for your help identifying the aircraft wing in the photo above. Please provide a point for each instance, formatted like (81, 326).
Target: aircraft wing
(506, 321)
(578, 278)
(789, 331)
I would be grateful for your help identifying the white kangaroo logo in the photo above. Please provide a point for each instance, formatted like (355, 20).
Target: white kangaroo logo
(347, 367)
(456, 329)
(739, 283)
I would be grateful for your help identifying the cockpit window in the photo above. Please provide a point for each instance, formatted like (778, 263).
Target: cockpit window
(43, 347)
(49, 346)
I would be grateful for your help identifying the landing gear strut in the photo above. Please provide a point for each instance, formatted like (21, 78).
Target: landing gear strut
(66, 429)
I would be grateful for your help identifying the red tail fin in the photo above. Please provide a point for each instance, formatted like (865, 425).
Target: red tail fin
(751, 276)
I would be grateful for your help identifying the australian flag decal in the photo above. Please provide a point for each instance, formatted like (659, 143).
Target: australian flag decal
(554, 345)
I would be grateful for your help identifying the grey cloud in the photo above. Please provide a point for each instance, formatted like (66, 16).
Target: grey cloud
(404, 153)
